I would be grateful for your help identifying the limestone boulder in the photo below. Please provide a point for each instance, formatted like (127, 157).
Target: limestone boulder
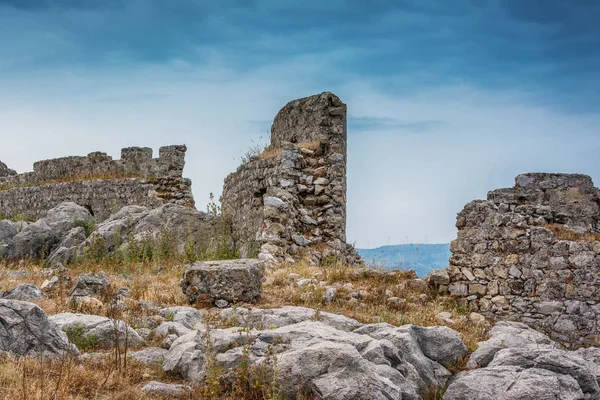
(26, 330)
(229, 280)
(8, 230)
(167, 390)
(189, 317)
(98, 330)
(513, 383)
(37, 240)
(149, 355)
(278, 317)
(506, 334)
(136, 225)
(24, 292)
(322, 358)
(90, 285)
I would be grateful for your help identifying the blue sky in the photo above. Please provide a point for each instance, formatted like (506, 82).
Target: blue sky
(446, 99)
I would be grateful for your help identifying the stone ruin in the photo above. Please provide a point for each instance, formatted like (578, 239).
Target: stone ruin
(290, 201)
(531, 253)
(97, 182)
(286, 203)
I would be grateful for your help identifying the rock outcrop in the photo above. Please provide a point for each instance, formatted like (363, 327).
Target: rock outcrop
(99, 331)
(25, 330)
(520, 363)
(327, 355)
(532, 253)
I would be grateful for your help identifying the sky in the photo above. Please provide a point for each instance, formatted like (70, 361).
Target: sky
(446, 99)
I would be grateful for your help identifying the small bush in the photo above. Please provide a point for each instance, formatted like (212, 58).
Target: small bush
(76, 335)
(88, 225)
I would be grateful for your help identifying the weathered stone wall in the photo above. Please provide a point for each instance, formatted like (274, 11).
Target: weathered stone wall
(291, 200)
(532, 253)
(99, 183)
(5, 171)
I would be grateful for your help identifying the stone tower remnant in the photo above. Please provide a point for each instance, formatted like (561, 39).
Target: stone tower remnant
(290, 200)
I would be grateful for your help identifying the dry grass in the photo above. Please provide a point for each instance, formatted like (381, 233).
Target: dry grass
(271, 152)
(564, 233)
(69, 379)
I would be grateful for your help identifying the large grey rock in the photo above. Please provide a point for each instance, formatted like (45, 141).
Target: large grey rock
(189, 317)
(149, 355)
(137, 224)
(8, 230)
(90, 285)
(62, 217)
(34, 241)
(229, 280)
(513, 383)
(277, 317)
(37, 240)
(506, 334)
(167, 390)
(377, 361)
(557, 361)
(26, 330)
(24, 292)
(413, 346)
(99, 329)
(66, 249)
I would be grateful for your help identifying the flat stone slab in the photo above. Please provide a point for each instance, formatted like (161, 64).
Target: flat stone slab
(229, 280)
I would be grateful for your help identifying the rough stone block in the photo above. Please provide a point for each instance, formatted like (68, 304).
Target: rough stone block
(229, 280)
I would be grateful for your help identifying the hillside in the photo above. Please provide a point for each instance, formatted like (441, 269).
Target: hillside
(418, 256)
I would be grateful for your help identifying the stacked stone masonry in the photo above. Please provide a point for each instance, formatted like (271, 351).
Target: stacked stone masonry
(290, 201)
(532, 253)
(98, 182)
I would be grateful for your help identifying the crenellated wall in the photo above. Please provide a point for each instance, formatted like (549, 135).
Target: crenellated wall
(290, 201)
(532, 253)
(98, 182)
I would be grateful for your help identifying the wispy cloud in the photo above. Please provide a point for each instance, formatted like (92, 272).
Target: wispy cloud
(373, 124)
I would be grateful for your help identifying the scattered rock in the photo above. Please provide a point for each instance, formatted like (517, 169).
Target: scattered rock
(90, 285)
(26, 330)
(99, 330)
(329, 295)
(507, 334)
(23, 291)
(230, 280)
(167, 390)
(189, 317)
(149, 355)
(221, 303)
(477, 318)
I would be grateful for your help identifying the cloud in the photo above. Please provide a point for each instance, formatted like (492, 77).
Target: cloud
(360, 124)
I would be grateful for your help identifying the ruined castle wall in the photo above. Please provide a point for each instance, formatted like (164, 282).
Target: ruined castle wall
(532, 253)
(291, 201)
(98, 182)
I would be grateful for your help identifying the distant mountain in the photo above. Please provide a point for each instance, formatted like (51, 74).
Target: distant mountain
(420, 257)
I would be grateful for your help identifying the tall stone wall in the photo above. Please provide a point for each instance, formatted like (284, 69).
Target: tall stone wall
(290, 201)
(532, 253)
(98, 182)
